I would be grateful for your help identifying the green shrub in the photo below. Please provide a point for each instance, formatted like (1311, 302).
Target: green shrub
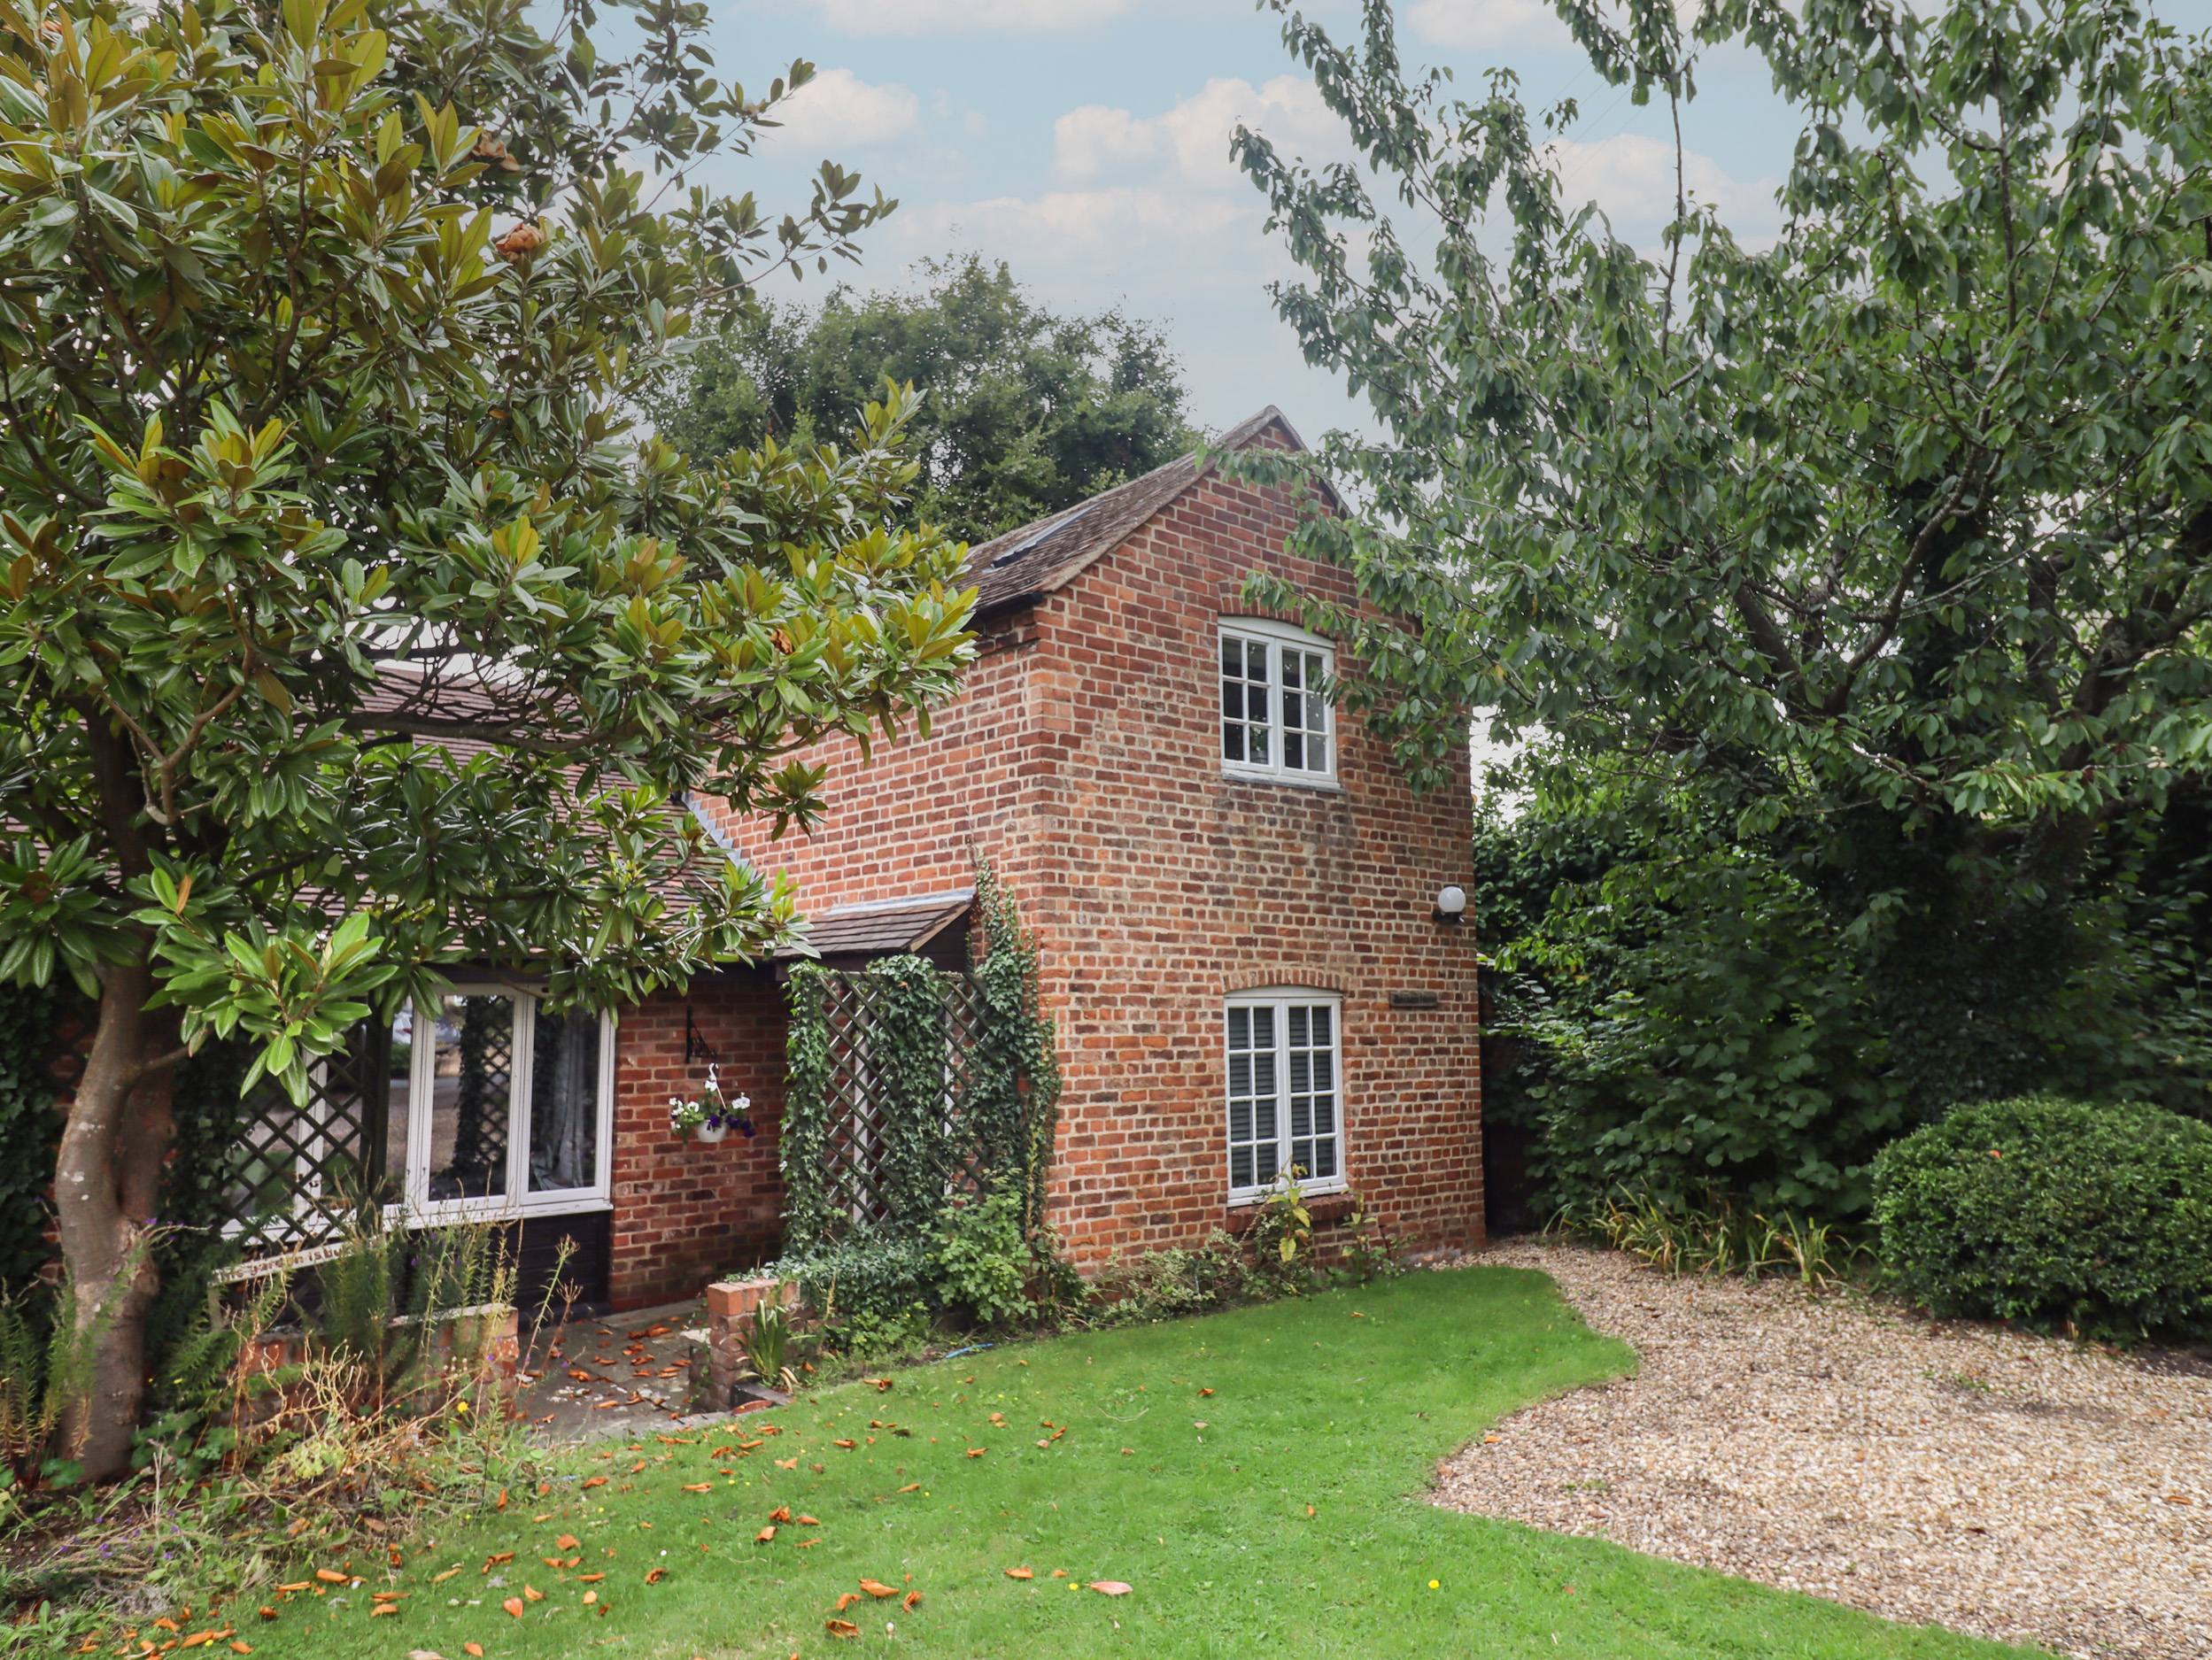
(2059, 1214)
(1716, 1235)
(983, 1262)
(873, 1277)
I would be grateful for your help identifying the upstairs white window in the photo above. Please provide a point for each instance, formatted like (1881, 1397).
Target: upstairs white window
(1285, 1058)
(1275, 723)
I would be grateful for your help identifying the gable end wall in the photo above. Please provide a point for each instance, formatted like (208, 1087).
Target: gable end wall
(1084, 758)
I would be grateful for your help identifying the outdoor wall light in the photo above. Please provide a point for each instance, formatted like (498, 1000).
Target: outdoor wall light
(1451, 905)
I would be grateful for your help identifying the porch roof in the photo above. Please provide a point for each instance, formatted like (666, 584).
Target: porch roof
(881, 927)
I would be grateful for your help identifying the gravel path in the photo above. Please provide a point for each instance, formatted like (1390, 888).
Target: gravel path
(2013, 1486)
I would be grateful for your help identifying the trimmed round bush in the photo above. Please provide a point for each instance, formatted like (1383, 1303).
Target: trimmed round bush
(2063, 1214)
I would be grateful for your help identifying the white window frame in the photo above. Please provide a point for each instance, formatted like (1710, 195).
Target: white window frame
(1281, 999)
(1266, 631)
(417, 1209)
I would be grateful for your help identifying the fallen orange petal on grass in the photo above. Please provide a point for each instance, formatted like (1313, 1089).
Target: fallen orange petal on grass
(846, 1599)
(911, 1486)
(1020, 1573)
(241, 1648)
(328, 1576)
(975, 1452)
(267, 1612)
(514, 1605)
(1112, 1587)
(590, 1579)
(568, 1542)
(786, 1464)
(596, 1481)
(1205, 1392)
(809, 1521)
(840, 1628)
(876, 1588)
(702, 1486)
(656, 1576)
(532, 1592)
(383, 1608)
(781, 1513)
(474, 1650)
(912, 1600)
(764, 1535)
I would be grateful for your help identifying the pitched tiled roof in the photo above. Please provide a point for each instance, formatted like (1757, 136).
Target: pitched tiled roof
(1040, 557)
(882, 928)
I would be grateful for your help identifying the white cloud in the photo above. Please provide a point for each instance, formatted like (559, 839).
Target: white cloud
(1480, 23)
(936, 16)
(1192, 140)
(1065, 228)
(1632, 178)
(838, 110)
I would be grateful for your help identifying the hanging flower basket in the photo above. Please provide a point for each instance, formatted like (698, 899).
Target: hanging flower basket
(708, 1118)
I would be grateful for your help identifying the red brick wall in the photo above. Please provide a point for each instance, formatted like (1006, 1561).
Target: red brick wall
(686, 1213)
(1084, 758)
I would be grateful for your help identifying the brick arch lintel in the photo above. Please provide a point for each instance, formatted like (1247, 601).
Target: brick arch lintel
(1307, 976)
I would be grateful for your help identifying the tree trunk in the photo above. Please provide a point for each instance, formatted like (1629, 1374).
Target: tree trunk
(106, 1184)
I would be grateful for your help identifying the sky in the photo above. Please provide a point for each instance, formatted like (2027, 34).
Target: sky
(1085, 143)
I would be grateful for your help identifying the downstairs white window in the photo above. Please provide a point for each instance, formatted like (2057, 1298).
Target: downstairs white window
(497, 1107)
(1284, 1065)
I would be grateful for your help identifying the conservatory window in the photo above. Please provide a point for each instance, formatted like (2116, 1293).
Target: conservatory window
(497, 1106)
(1285, 1066)
(1275, 722)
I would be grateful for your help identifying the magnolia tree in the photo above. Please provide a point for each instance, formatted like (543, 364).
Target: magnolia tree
(1889, 535)
(316, 328)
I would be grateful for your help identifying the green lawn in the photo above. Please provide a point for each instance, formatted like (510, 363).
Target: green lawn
(1340, 1403)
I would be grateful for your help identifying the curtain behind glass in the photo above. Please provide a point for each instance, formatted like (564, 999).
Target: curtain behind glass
(564, 1115)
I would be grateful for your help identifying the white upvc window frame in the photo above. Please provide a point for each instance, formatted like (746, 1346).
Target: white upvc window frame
(1279, 639)
(1280, 1000)
(417, 1209)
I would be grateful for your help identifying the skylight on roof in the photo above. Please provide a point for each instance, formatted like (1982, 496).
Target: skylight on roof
(1051, 527)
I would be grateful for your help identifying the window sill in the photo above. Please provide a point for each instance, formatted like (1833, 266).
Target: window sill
(1321, 786)
(445, 1213)
(1327, 1207)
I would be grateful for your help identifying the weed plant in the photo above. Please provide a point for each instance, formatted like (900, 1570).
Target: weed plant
(328, 1417)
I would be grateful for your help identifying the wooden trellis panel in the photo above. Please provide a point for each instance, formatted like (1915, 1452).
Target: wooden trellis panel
(894, 1140)
(301, 1171)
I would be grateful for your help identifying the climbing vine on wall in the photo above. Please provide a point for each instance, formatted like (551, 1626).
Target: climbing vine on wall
(910, 1087)
(1013, 1085)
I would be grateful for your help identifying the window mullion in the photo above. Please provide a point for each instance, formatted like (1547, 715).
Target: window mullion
(520, 1069)
(422, 1096)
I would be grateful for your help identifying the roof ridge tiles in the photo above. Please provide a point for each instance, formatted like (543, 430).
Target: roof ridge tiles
(1044, 554)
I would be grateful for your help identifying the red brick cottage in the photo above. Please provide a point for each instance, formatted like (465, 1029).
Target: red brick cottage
(1233, 889)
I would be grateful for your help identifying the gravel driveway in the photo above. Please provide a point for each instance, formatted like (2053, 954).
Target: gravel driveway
(2014, 1486)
